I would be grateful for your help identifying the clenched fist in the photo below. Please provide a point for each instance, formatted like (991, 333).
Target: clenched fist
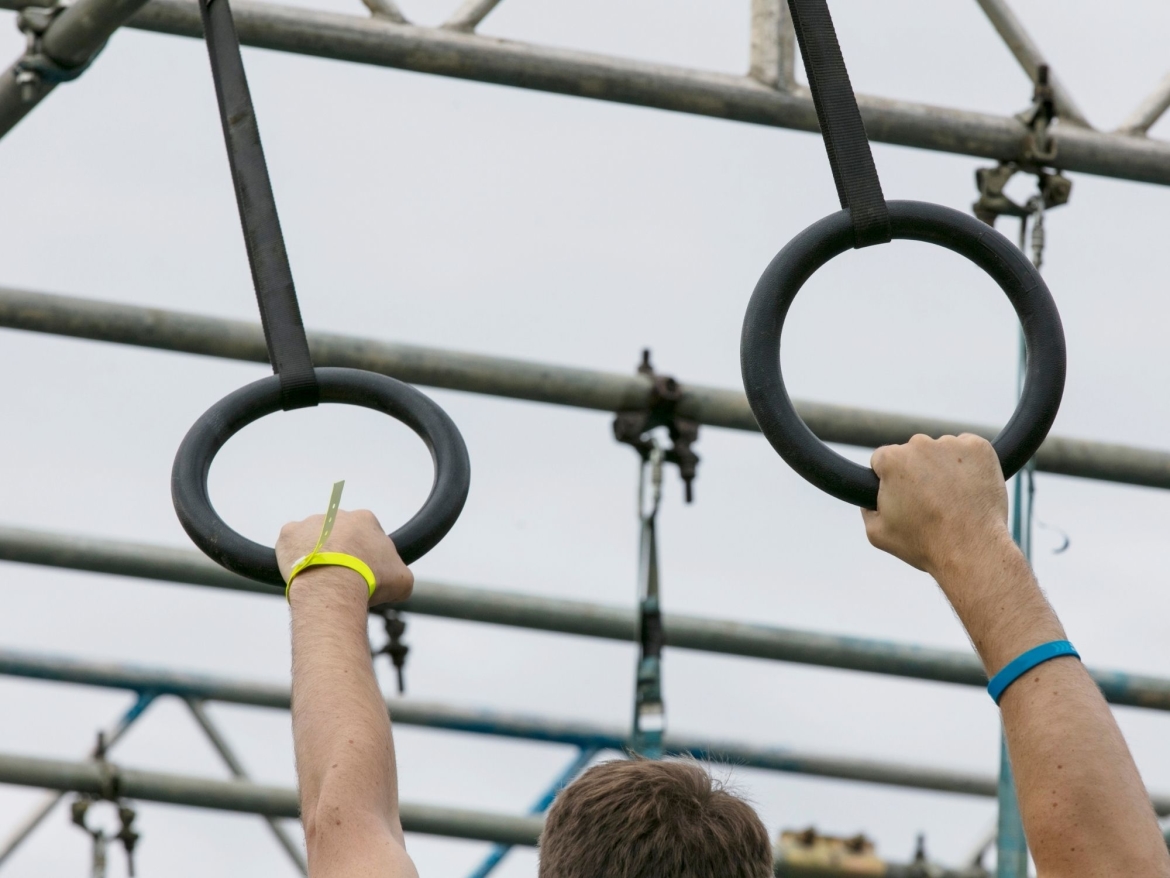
(354, 533)
(939, 500)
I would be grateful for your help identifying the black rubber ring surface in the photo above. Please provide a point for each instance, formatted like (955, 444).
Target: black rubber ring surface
(915, 221)
(349, 386)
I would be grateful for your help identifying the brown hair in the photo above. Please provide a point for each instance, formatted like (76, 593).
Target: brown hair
(646, 819)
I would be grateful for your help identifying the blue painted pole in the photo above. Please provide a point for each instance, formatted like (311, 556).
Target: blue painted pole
(1011, 845)
(574, 768)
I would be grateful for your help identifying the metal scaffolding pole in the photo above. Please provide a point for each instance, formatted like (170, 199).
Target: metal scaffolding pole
(537, 382)
(585, 736)
(1149, 110)
(228, 755)
(109, 737)
(448, 52)
(571, 617)
(773, 45)
(250, 798)
(68, 43)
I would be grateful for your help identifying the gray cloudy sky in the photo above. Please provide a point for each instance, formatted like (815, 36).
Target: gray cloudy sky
(482, 218)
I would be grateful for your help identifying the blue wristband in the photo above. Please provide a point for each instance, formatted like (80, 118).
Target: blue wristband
(1020, 665)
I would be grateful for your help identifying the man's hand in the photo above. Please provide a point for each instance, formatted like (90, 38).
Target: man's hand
(942, 507)
(939, 500)
(346, 771)
(354, 533)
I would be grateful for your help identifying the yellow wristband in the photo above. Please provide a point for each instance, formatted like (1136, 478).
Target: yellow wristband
(317, 558)
(333, 559)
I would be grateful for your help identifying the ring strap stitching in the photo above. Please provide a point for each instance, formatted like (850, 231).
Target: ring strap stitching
(280, 314)
(854, 172)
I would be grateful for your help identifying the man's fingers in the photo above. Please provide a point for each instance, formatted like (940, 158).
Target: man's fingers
(880, 460)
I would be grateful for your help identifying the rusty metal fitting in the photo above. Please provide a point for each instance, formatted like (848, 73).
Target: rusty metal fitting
(632, 427)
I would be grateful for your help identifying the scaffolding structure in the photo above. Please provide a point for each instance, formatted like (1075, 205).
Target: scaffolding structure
(62, 42)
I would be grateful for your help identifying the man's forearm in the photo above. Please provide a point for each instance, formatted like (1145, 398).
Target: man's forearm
(995, 595)
(341, 731)
(1084, 807)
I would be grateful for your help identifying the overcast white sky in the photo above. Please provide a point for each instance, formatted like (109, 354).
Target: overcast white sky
(483, 218)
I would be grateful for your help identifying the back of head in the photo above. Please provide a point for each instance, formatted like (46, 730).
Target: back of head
(644, 819)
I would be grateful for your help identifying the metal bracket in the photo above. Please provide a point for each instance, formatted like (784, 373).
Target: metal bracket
(1039, 147)
(631, 427)
(34, 66)
(394, 648)
(126, 834)
(1055, 189)
(1040, 153)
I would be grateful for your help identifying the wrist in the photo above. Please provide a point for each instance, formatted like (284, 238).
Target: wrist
(336, 586)
(965, 552)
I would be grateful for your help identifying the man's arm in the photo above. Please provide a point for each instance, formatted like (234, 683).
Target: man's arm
(942, 507)
(341, 730)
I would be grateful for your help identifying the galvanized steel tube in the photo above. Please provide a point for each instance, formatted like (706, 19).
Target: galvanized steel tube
(249, 798)
(448, 52)
(196, 688)
(570, 617)
(1149, 111)
(536, 382)
(70, 41)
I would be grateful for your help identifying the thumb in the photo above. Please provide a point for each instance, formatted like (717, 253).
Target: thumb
(872, 520)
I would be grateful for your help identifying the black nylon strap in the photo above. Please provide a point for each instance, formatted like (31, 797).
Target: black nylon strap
(846, 143)
(284, 332)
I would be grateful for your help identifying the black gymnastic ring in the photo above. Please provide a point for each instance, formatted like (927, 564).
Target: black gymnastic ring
(349, 386)
(916, 221)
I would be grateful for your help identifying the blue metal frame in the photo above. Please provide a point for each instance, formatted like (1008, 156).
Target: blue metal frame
(1011, 846)
(574, 768)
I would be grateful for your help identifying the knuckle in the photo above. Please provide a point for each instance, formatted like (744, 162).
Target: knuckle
(366, 518)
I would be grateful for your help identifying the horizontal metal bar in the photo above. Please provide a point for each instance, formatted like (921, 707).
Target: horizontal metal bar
(740, 98)
(537, 382)
(108, 738)
(249, 798)
(70, 41)
(1149, 110)
(569, 617)
(587, 736)
(1023, 47)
